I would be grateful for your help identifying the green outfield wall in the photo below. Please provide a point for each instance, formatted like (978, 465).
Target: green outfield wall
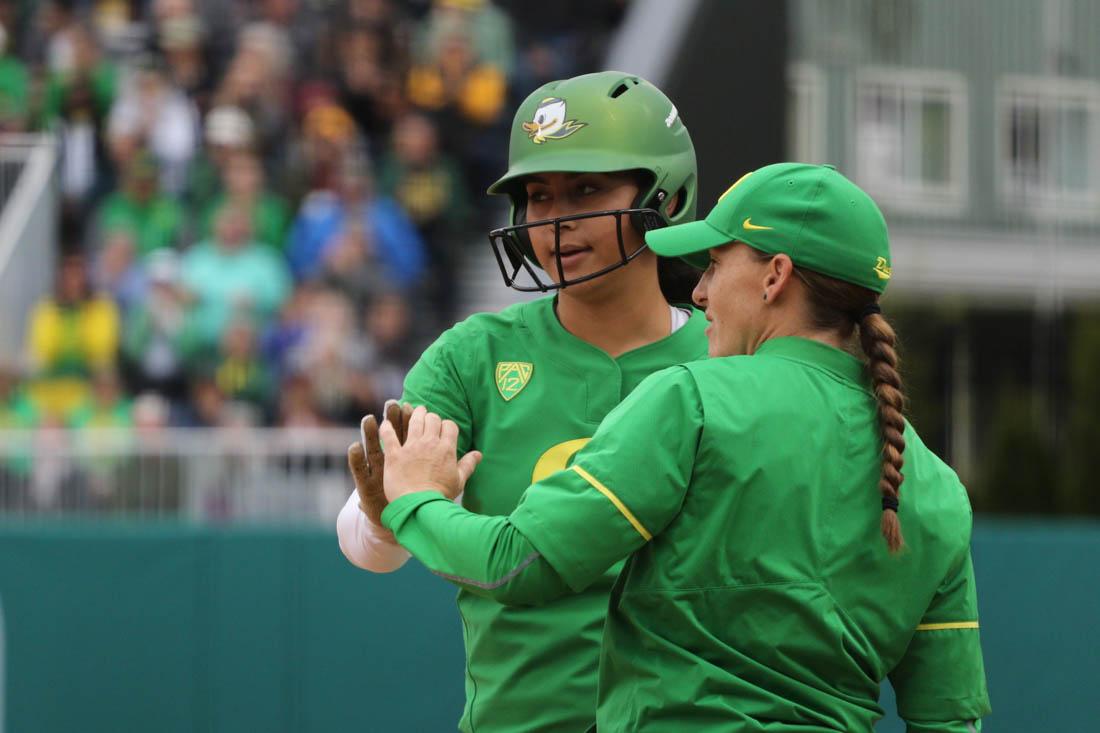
(134, 628)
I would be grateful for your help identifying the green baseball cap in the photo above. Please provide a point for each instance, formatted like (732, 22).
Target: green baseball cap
(811, 213)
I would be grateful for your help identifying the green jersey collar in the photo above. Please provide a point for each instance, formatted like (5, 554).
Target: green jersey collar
(817, 354)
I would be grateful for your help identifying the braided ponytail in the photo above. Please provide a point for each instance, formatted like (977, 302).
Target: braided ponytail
(878, 341)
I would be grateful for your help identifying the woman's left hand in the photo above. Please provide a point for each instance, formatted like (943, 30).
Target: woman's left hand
(427, 460)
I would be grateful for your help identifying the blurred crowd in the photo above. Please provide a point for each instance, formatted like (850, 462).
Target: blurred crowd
(265, 201)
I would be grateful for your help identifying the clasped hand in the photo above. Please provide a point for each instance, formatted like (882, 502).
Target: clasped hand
(426, 460)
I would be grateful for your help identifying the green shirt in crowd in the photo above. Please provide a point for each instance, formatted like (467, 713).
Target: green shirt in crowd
(759, 593)
(270, 220)
(90, 415)
(14, 88)
(103, 79)
(529, 394)
(18, 412)
(249, 281)
(154, 224)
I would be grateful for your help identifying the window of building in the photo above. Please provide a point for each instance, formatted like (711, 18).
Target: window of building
(1049, 145)
(910, 139)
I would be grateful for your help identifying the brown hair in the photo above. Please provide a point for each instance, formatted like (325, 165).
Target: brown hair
(840, 306)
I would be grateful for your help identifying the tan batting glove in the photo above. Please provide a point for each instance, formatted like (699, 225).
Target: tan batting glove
(367, 462)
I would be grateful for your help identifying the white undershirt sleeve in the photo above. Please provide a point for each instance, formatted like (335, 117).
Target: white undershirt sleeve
(363, 543)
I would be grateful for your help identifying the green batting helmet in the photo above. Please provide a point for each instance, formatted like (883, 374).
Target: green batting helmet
(605, 122)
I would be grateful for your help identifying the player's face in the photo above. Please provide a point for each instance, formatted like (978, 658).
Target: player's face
(731, 293)
(587, 245)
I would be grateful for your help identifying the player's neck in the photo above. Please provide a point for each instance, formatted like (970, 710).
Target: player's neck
(617, 319)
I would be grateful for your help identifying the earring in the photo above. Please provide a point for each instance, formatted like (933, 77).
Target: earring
(765, 296)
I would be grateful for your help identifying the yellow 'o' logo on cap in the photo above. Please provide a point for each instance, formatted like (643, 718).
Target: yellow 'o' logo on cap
(882, 269)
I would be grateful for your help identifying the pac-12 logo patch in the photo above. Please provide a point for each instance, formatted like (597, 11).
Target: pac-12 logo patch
(512, 377)
(550, 123)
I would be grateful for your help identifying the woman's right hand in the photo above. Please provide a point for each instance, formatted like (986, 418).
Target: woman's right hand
(427, 460)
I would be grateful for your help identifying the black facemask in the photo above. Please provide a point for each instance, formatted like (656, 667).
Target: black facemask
(512, 248)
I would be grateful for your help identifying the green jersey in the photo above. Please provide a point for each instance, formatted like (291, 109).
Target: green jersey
(154, 224)
(759, 593)
(529, 394)
(14, 86)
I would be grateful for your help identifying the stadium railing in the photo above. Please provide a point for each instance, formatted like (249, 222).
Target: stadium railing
(277, 475)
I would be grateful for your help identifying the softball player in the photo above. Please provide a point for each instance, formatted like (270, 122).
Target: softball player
(756, 494)
(594, 162)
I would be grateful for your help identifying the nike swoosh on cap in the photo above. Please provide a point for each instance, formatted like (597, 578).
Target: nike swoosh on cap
(750, 226)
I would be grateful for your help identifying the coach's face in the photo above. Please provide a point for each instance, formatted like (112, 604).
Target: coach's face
(731, 293)
(587, 245)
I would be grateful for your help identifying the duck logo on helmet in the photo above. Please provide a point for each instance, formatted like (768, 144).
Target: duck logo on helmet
(549, 122)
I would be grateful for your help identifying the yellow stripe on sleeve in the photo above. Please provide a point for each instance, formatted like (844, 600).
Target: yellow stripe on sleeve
(952, 625)
(614, 500)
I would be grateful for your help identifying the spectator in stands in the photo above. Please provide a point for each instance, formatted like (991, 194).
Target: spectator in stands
(219, 21)
(153, 220)
(150, 414)
(427, 183)
(331, 353)
(228, 130)
(239, 369)
(180, 39)
(270, 44)
(257, 82)
(117, 24)
(455, 84)
(17, 412)
(300, 29)
(151, 480)
(51, 44)
(430, 187)
(14, 18)
(297, 404)
(159, 341)
(486, 26)
(391, 347)
(72, 336)
(151, 112)
(106, 405)
(230, 276)
(14, 88)
(95, 481)
(369, 76)
(77, 101)
(16, 408)
(88, 74)
(118, 271)
(244, 188)
(348, 232)
(282, 339)
(328, 140)
(466, 97)
(206, 407)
